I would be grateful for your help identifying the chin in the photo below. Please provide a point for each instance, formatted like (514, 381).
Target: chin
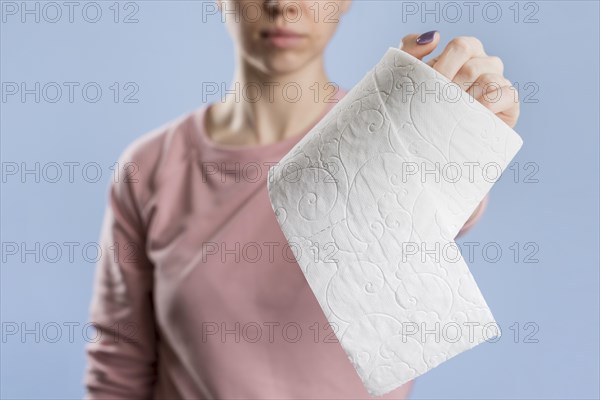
(284, 63)
(281, 68)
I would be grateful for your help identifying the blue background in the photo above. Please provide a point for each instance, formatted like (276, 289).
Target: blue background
(170, 51)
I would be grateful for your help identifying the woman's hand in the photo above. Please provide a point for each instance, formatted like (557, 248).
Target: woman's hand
(465, 62)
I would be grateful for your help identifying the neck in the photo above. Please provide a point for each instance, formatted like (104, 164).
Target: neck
(263, 109)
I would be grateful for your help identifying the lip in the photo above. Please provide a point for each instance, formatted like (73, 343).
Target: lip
(282, 38)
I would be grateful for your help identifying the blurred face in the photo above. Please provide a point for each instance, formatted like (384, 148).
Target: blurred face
(281, 36)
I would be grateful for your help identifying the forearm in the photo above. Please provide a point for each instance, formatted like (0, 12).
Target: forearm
(475, 216)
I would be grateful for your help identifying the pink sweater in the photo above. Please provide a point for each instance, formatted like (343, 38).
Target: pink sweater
(197, 294)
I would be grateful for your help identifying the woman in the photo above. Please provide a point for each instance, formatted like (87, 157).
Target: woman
(195, 296)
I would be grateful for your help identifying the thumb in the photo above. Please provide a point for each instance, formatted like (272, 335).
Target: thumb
(419, 46)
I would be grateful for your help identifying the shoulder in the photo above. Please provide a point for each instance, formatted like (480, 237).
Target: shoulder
(146, 160)
(170, 139)
(341, 92)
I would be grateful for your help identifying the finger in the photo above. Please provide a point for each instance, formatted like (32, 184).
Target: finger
(498, 100)
(503, 105)
(456, 54)
(432, 62)
(487, 83)
(475, 67)
(419, 46)
(497, 94)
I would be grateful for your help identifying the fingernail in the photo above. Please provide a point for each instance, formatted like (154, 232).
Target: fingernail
(426, 37)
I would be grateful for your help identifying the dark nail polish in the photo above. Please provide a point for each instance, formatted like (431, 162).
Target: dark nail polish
(426, 37)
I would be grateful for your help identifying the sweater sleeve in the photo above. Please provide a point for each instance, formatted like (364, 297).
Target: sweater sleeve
(121, 359)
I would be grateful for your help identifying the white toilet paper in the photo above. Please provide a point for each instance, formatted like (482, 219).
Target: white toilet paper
(370, 202)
